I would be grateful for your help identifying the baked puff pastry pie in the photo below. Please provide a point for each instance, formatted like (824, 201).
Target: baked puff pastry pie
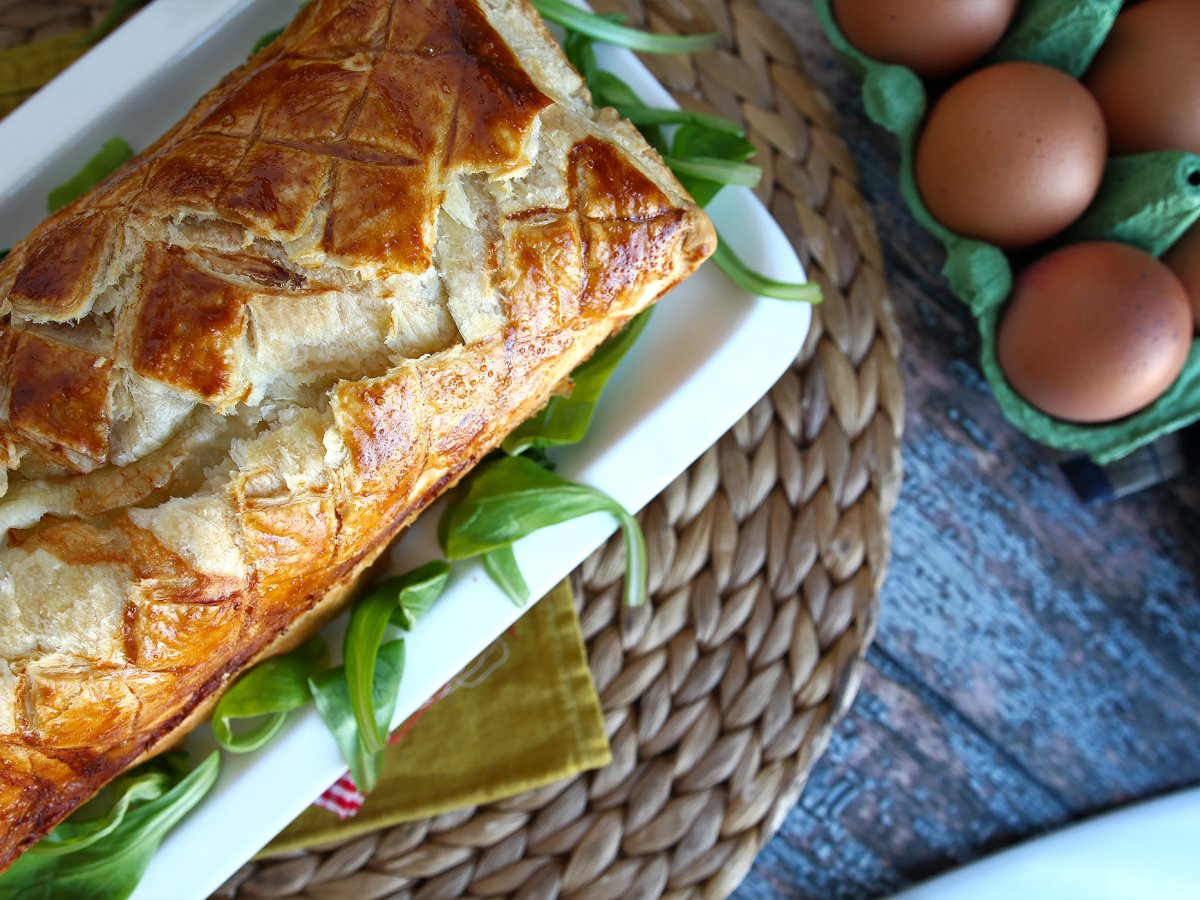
(234, 371)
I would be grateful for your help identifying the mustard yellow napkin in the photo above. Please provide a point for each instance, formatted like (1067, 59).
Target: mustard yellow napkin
(26, 68)
(523, 714)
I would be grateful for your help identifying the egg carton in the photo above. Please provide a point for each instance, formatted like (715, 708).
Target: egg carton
(1146, 200)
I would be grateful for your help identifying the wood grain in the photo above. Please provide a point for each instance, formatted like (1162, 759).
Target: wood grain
(1036, 659)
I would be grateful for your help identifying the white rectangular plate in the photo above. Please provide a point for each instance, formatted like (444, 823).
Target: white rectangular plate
(1144, 850)
(709, 353)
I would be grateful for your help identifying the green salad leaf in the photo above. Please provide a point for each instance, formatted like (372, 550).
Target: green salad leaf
(609, 90)
(714, 169)
(501, 566)
(268, 692)
(565, 419)
(511, 497)
(80, 831)
(266, 40)
(105, 859)
(650, 115)
(580, 49)
(397, 601)
(358, 698)
(745, 277)
(705, 152)
(331, 692)
(695, 140)
(111, 156)
(605, 30)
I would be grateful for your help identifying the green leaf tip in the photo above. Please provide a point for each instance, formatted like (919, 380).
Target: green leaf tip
(105, 858)
(399, 602)
(605, 30)
(753, 282)
(565, 418)
(512, 497)
(111, 156)
(267, 693)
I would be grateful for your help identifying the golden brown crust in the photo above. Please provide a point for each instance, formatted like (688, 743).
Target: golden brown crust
(231, 374)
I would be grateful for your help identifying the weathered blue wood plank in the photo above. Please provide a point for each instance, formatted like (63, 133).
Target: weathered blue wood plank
(906, 788)
(1027, 622)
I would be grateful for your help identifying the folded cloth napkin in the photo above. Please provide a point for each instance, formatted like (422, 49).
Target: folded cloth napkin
(523, 714)
(24, 69)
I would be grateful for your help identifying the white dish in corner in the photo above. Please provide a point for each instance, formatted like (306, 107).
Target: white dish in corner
(709, 353)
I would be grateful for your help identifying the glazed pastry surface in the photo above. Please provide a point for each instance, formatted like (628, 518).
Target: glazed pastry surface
(233, 372)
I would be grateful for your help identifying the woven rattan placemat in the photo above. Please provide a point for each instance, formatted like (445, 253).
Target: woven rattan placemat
(766, 559)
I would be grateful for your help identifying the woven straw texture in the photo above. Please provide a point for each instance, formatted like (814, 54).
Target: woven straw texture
(766, 558)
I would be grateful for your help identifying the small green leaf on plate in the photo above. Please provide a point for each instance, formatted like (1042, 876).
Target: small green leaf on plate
(332, 696)
(109, 866)
(648, 115)
(603, 29)
(719, 171)
(696, 140)
(268, 692)
(609, 90)
(512, 497)
(417, 591)
(107, 160)
(398, 601)
(701, 139)
(565, 419)
(501, 566)
(79, 831)
(580, 49)
(745, 277)
(265, 41)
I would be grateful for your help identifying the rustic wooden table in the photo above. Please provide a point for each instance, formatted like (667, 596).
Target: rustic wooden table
(1036, 660)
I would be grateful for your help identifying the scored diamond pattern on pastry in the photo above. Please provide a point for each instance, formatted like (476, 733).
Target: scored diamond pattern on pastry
(232, 373)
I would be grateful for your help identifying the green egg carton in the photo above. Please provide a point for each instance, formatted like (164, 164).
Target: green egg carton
(1148, 201)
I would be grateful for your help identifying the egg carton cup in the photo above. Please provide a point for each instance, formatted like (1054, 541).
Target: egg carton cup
(1146, 200)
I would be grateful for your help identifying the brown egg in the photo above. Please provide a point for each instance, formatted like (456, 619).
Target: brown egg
(1094, 332)
(1184, 260)
(934, 38)
(1146, 78)
(1012, 154)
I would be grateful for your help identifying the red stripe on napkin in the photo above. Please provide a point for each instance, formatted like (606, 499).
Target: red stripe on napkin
(343, 798)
